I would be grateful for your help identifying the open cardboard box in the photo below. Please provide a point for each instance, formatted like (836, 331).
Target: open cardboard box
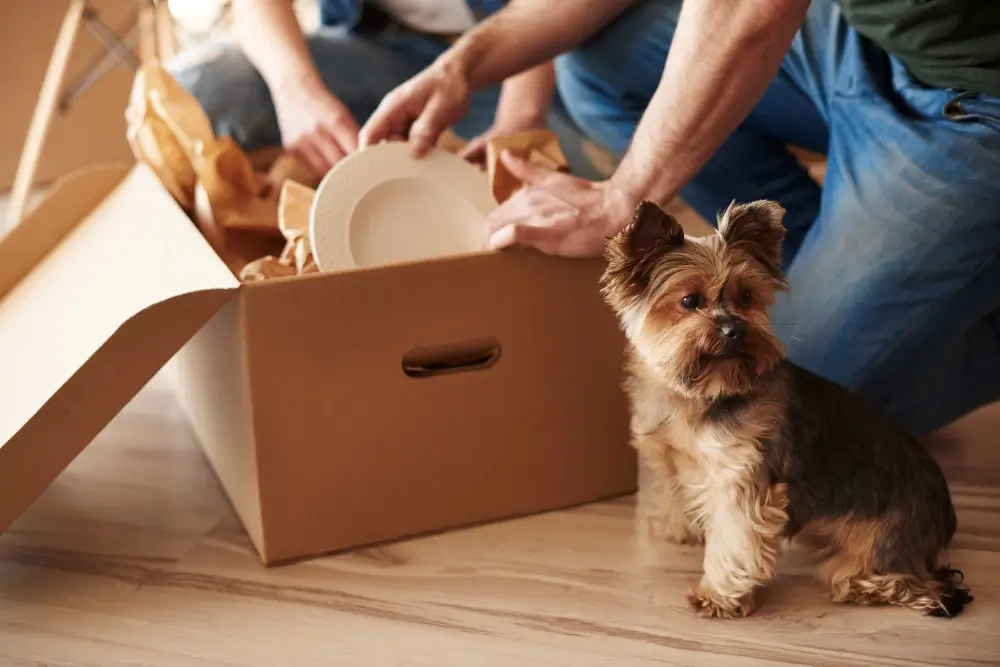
(337, 409)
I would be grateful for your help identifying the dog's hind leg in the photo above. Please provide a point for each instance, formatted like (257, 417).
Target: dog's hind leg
(859, 569)
(941, 594)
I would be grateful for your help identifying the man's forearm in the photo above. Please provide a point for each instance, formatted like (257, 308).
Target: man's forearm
(272, 40)
(723, 57)
(525, 98)
(526, 33)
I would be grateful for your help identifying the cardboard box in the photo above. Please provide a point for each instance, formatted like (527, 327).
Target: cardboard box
(337, 409)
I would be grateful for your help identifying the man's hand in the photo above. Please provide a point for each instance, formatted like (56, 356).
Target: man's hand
(556, 213)
(520, 36)
(316, 127)
(420, 109)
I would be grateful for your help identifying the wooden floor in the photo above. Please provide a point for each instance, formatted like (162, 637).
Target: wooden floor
(133, 558)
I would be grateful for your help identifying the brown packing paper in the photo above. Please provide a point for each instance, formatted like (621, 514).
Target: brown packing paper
(230, 208)
(294, 204)
(451, 142)
(288, 168)
(168, 130)
(177, 107)
(154, 144)
(267, 267)
(230, 195)
(539, 147)
(213, 179)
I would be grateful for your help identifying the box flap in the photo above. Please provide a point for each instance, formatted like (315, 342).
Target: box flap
(99, 286)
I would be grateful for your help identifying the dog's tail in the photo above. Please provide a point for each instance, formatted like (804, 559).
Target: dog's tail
(954, 594)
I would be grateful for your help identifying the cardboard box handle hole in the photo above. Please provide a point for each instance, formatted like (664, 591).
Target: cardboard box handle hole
(461, 357)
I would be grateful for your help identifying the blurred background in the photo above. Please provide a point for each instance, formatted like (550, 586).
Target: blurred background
(88, 124)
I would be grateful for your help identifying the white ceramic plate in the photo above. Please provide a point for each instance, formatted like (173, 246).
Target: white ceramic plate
(380, 206)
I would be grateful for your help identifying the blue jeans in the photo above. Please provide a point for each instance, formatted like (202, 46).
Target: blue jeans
(358, 67)
(894, 263)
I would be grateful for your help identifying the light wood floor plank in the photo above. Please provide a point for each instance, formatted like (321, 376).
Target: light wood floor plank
(133, 557)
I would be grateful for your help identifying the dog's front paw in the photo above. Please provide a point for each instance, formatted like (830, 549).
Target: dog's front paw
(674, 528)
(680, 532)
(708, 604)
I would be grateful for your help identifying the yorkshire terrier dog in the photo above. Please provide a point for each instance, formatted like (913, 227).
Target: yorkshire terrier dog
(745, 450)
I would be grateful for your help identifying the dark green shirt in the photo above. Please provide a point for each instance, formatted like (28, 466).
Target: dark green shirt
(943, 43)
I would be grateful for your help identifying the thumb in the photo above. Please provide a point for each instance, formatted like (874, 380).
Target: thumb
(474, 151)
(517, 233)
(389, 118)
(522, 170)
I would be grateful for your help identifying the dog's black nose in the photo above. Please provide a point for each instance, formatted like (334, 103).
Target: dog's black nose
(733, 331)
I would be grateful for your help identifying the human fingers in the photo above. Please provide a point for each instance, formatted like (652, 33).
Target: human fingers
(310, 156)
(344, 130)
(327, 147)
(524, 171)
(541, 238)
(475, 151)
(529, 218)
(429, 125)
(533, 205)
(391, 116)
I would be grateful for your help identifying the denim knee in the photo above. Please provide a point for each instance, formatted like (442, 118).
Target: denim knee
(230, 90)
(608, 81)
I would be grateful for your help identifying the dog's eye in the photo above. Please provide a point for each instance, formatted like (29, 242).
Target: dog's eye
(746, 299)
(691, 301)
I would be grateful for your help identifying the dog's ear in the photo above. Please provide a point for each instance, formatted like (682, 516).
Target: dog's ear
(651, 231)
(633, 252)
(756, 229)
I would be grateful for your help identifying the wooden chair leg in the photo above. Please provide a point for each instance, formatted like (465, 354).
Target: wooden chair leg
(41, 119)
(147, 32)
(157, 40)
(166, 37)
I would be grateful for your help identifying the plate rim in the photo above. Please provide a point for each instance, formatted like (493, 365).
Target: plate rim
(398, 162)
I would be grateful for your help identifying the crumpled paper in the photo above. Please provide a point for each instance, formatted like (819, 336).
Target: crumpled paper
(212, 179)
(540, 147)
(451, 142)
(247, 215)
(167, 130)
(229, 196)
(294, 203)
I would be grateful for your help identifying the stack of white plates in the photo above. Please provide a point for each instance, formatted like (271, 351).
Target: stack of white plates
(381, 206)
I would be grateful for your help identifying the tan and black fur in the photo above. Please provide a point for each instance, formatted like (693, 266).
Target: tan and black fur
(745, 449)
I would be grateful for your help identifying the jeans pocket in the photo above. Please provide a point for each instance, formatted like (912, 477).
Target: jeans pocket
(969, 107)
(953, 104)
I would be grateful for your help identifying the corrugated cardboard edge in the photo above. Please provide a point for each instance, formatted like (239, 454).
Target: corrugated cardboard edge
(69, 419)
